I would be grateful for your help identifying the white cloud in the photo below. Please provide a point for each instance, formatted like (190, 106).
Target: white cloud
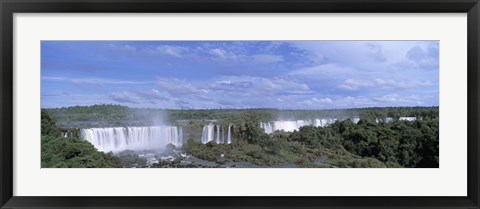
(126, 97)
(96, 81)
(225, 55)
(177, 87)
(217, 52)
(139, 97)
(170, 50)
(265, 58)
(244, 91)
(375, 51)
(391, 84)
(324, 72)
(350, 101)
(259, 86)
(122, 48)
(280, 85)
(317, 102)
(175, 51)
(396, 99)
(351, 84)
(222, 54)
(421, 57)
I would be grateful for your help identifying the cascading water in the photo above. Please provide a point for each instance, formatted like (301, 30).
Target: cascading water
(294, 125)
(180, 132)
(223, 136)
(355, 120)
(117, 139)
(408, 118)
(229, 138)
(218, 134)
(212, 132)
(207, 133)
(267, 126)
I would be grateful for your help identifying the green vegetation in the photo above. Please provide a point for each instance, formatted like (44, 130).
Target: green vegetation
(60, 152)
(342, 144)
(369, 143)
(123, 115)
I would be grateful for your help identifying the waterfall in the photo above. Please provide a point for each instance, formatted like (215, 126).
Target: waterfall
(267, 126)
(212, 132)
(218, 134)
(285, 125)
(408, 118)
(180, 134)
(223, 135)
(355, 120)
(207, 133)
(117, 139)
(294, 125)
(229, 139)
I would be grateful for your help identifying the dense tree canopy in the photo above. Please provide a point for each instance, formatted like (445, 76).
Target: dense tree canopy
(112, 114)
(369, 143)
(60, 152)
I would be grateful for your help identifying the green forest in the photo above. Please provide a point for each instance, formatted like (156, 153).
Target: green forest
(60, 152)
(343, 144)
(109, 114)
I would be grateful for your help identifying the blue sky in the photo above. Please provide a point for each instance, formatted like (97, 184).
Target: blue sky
(240, 74)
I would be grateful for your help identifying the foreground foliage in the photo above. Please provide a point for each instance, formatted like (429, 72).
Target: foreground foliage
(342, 144)
(369, 143)
(60, 152)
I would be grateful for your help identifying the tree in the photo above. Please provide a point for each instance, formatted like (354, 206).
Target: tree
(60, 152)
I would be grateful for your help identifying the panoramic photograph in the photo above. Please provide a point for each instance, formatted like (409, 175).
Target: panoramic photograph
(240, 104)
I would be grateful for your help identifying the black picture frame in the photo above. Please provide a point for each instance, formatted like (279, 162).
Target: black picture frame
(9, 7)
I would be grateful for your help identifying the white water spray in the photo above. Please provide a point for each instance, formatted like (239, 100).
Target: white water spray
(294, 125)
(116, 139)
(212, 132)
(229, 138)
